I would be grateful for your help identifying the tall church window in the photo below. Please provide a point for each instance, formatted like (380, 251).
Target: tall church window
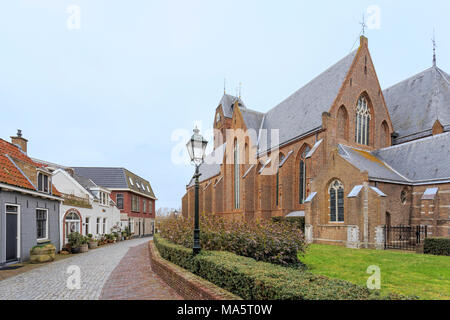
(342, 123)
(302, 175)
(362, 122)
(236, 176)
(336, 192)
(280, 160)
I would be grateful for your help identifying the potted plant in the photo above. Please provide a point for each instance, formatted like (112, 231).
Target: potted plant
(84, 247)
(92, 243)
(75, 241)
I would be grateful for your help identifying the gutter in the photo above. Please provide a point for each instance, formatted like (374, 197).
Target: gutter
(33, 193)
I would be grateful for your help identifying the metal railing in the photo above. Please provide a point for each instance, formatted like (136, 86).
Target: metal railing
(404, 237)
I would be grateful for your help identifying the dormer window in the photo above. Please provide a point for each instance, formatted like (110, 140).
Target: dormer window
(43, 182)
(103, 198)
(131, 180)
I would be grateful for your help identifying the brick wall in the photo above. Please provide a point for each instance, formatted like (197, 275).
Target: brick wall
(186, 284)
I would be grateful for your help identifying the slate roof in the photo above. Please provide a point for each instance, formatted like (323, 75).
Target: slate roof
(227, 103)
(366, 161)
(211, 166)
(415, 162)
(252, 119)
(420, 160)
(302, 111)
(115, 178)
(10, 172)
(416, 103)
(86, 183)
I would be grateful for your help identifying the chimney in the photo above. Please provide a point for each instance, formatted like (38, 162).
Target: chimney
(20, 141)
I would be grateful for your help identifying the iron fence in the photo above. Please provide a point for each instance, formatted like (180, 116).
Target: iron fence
(404, 237)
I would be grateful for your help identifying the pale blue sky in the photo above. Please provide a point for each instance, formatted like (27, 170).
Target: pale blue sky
(113, 92)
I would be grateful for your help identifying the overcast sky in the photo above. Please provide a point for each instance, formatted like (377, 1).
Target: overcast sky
(112, 89)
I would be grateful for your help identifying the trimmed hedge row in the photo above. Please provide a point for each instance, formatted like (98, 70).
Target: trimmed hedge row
(257, 280)
(437, 246)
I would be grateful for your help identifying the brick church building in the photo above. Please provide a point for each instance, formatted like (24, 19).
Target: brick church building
(347, 155)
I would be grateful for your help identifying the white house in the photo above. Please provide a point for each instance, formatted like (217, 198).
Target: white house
(87, 207)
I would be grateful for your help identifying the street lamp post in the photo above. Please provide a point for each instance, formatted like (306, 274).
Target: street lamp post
(196, 148)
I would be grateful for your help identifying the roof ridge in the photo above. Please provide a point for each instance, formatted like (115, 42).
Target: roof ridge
(442, 135)
(316, 77)
(409, 78)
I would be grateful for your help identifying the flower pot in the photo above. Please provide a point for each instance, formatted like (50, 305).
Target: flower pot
(93, 244)
(84, 248)
(76, 250)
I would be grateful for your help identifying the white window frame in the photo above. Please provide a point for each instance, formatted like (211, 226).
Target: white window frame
(98, 223)
(104, 225)
(19, 238)
(87, 225)
(46, 224)
(40, 173)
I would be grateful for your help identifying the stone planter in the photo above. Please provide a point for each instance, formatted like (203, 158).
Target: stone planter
(44, 253)
(84, 248)
(93, 244)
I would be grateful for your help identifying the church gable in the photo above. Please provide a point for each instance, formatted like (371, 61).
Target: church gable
(359, 110)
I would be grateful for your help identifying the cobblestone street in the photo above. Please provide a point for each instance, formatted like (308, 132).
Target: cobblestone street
(96, 266)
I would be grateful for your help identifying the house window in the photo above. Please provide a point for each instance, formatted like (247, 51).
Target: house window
(145, 205)
(103, 198)
(150, 207)
(98, 225)
(302, 175)
(41, 224)
(236, 176)
(336, 192)
(362, 122)
(43, 182)
(134, 203)
(119, 200)
(131, 180)
(404, 196)
(86, 226)
(104, 225)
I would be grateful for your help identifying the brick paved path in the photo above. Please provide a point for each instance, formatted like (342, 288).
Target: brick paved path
(134, 279)
(50, 281)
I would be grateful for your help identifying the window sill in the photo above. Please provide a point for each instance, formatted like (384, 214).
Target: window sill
(43, 240)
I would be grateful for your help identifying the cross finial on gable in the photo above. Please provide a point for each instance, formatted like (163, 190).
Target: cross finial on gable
(434, 49)
(363, 24)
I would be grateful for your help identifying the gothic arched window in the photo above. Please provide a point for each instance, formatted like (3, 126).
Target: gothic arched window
(302, 175)
(336, 192)
(362, 123)
(236, 176)
(280, 160)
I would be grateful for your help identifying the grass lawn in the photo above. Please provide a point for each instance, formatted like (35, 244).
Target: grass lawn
(425, 276)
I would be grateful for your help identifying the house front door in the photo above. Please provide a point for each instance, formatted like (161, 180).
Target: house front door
(11, 233)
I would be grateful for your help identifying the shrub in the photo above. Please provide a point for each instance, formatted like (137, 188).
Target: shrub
(437, 246)
(75, 240)
(256, 280)
(298, 222)
(278, 243)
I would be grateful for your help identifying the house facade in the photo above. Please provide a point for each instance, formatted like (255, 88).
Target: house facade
(29, 203)
(87, 208)
(347, 155)
(132, 194)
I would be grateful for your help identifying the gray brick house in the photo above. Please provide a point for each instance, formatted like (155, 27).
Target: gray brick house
(29, 203)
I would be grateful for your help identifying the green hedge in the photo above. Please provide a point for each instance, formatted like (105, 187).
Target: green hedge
(437, 246)
(296, 221)
(256, 280)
